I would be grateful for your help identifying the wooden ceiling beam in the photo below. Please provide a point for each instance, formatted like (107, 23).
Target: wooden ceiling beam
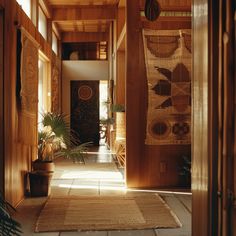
(86, 13)
(46, 8)
(72, 37)
(175, 5)
(56, 30)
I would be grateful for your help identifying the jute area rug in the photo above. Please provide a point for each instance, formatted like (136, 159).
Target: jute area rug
(105, 213)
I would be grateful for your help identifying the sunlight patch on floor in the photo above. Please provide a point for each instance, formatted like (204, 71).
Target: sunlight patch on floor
(102, 187)
(110, 175)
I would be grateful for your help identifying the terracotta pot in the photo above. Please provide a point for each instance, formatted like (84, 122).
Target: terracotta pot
(43, 166)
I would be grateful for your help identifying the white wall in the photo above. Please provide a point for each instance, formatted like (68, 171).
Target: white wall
(80, 70)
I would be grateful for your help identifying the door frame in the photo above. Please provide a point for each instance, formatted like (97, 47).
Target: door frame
(1, 100)
(213, 98)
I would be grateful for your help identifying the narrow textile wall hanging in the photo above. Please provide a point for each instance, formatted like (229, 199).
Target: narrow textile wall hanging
(27, 88)
(56, 85)
(168, 68)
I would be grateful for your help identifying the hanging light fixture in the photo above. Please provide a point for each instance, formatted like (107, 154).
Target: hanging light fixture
(152, 9)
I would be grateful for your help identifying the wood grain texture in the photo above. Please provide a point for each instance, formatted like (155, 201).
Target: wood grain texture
(17, 154)
(120, 20)
(2, 3)
(170, 5)
(83, 2)
(200, 120)
(147, 166)
(120, 83)
(88, 13)
(1, 104)
(228, 95)
(83, 37)
(134, 102)
(168, 23)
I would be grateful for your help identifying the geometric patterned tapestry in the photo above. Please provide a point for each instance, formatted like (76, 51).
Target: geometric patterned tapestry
(168, 68)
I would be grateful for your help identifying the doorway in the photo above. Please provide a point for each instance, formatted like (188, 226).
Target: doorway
(1, 102)
(85, 111)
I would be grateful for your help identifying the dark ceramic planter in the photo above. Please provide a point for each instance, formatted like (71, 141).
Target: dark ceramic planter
(40, 183)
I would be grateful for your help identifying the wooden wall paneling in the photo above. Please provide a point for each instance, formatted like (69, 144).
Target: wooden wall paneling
(120, 20)
(18, 155)
(1, 103)
(2, 3)
(168, 23)
(200, 120)
(23, 20)
(88, 13)
(134, 112)
(147, 166)
(120, 85)
(70, 37)
(228, 136)
(170, 5)
(49, 32)
(10, 105)
(160, 164)
(215, 114)
(234, 207)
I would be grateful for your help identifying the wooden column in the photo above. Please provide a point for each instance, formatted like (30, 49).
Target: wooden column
(120, 83)
(205, 128)
(133, 91)
(49, 31)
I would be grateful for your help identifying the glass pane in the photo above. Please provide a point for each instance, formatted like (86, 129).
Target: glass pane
(42, 24)
(44, 89)
(54, 43)
(26, 6)
(103, 100)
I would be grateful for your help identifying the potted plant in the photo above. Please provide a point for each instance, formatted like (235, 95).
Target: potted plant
(54, 135)
(8, 226)
(75, 153)
(185, 171)
(54, 140)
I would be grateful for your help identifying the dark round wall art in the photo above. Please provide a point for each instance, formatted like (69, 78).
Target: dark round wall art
(152, 9)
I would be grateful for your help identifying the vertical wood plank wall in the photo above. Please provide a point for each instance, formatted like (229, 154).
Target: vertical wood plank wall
(143, 162)
(200, 128)
(1, 103)
(120, 83)
(18, 156)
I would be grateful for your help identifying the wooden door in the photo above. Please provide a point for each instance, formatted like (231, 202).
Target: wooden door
(85, 110)
(1, 105)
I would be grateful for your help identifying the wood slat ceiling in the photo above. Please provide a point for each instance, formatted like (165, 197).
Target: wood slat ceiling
(83, 26)
(82, 2)
(97, 23)
(95, 15)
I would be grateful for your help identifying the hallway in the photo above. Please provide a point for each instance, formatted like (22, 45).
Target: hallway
(99, 176)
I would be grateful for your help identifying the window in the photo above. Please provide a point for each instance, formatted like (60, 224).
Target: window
(54, 43)
(103, 99)
(26, 6)
(42, 23)
(44, 87)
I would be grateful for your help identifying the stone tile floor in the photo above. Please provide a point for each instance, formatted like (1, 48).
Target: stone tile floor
(99, 176)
